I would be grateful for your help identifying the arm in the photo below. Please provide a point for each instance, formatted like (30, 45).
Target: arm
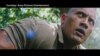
(26, 34)
(5, 42)
(17, 33)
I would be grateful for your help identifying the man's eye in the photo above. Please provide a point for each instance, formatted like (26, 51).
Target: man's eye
(91, 22)
(81, 14)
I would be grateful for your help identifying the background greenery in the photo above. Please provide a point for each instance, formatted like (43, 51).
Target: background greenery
(11, 15)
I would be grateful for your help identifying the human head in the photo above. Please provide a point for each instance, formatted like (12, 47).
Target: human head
(77, 23)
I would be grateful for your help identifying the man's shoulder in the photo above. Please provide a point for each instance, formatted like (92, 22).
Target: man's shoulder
(43, 24)
(39, 24)
(46, 33)
(46, 28)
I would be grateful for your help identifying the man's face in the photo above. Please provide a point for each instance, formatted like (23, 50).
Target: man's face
(78, 23)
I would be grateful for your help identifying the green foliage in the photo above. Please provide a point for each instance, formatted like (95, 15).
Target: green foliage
(11, 15)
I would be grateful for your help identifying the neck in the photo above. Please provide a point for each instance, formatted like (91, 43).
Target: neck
(69, 44)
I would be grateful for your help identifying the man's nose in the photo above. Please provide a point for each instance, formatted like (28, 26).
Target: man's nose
(84, 23)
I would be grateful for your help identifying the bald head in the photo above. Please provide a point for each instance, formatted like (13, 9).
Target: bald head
(88, 11)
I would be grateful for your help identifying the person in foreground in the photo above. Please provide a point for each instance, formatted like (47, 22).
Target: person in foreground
(33, 33)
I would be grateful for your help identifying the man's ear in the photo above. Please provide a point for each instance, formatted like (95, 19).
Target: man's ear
(63, 17)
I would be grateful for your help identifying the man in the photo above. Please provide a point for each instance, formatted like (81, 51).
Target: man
(76, 26)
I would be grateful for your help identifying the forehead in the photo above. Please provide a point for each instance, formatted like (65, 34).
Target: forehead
(88, 11)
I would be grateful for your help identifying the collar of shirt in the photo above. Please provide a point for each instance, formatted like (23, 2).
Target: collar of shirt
(60, 36)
